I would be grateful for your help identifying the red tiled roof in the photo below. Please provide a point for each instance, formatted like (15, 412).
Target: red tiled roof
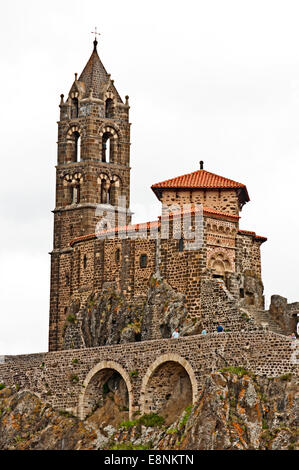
(200, 179)
(123, 228)
(148, 225)
(253, 234)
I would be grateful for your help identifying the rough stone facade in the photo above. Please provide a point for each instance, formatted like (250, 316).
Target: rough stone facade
(285, 314)
(91, 262)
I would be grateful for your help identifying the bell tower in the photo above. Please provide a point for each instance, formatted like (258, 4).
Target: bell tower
(93, 154)
(93, 167)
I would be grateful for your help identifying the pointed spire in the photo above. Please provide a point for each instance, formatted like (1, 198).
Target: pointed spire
(94, 74)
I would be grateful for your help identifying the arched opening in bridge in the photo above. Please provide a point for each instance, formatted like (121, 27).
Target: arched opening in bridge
(106, 398)
(167, 391)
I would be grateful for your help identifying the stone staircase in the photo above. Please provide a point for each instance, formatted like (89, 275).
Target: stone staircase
(259, 316)
(263, 316)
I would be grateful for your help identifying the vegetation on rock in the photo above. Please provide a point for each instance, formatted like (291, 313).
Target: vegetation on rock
(235, 410)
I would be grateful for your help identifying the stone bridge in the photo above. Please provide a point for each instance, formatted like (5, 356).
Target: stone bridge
(72, 380)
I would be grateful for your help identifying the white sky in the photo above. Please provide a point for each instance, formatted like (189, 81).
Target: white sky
(208, 80)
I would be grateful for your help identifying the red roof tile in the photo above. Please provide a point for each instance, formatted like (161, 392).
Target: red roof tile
(253, 234)
(200, 179)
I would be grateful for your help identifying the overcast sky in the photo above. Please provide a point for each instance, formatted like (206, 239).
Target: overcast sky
(214, 80)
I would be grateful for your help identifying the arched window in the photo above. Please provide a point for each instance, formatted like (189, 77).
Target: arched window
(76, 194)
(104, 193)
(109, 108)
(143, 261)
(109, 145)
(107, 148)
(77, 150)
(75, 108)
(181, 244)
(117, 255)
(220, 264)
(109, 194)
(115, 190)
(85, 262)
(73, 151)
(112, 193)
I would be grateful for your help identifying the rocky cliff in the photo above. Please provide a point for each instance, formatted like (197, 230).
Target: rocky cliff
(107, 317)
(236, 410)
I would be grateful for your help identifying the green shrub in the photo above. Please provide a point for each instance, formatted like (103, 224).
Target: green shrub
(71, 318)
(188, 410)
(66, 414)
(134, 373)
(2, 386)
(240, 371)
(74, 378)
(172, 431)
(151, 420)
(286, 377)
(128, 424)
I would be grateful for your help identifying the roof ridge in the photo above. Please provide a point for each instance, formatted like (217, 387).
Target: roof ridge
(202, 171)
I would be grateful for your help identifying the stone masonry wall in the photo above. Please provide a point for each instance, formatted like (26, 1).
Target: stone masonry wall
(222, 200)
(284, 314)
(84, 268)
(58, 377)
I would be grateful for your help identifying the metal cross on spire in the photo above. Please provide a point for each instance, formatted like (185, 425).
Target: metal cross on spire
(95, 32)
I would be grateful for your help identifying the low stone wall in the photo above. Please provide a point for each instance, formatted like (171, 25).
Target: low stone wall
(61, 378)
